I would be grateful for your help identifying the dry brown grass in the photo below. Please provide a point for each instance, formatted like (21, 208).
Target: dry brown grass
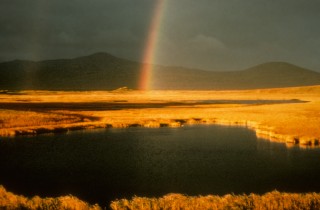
(33, 112)
(10, 201)
(270, 201)
(11, 119)
(14, 122)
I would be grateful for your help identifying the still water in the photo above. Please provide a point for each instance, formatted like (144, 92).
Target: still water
(102, 165)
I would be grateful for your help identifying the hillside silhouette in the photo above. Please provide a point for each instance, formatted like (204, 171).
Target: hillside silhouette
(102, 71)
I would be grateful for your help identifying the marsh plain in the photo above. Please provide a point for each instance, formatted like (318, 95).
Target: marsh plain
(288, 116)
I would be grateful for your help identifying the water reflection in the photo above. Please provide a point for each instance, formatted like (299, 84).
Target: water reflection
(99, 166)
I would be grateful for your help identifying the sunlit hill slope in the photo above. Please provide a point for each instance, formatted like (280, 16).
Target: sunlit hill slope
(102, 71)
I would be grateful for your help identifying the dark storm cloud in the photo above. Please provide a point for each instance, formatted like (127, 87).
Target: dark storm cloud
(210, 34)
(245, 32)
(50, 29)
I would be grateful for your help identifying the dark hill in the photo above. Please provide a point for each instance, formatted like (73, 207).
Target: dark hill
(102, 71)
(94, 72)
(279, 74)
(268, 75)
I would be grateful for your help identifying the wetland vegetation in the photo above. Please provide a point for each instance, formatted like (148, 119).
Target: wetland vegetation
(277, 114)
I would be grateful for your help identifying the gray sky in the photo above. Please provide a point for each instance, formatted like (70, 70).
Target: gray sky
(207, 34)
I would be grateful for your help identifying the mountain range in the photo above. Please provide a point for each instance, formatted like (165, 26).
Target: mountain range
(102, 71)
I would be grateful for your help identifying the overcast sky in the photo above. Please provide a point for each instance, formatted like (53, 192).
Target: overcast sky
(207, 34)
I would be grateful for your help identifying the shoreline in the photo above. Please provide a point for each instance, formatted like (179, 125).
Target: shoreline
(261, 131)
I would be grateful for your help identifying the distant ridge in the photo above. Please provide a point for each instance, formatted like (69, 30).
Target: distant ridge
(103, 71)
(267, 75)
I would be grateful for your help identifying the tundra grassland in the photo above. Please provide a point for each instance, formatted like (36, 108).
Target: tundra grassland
(288, 115)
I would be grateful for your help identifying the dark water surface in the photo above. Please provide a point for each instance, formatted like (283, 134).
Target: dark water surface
(102, 165)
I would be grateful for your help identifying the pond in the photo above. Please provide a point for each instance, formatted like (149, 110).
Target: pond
(101, 165)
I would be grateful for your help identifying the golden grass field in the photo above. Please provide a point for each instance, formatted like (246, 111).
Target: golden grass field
(272, 113)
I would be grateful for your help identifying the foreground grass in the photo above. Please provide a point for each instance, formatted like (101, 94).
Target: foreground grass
(36, 112)
(273, 200)
(10, 201)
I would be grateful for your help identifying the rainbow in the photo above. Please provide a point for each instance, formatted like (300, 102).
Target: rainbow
(151, 45)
